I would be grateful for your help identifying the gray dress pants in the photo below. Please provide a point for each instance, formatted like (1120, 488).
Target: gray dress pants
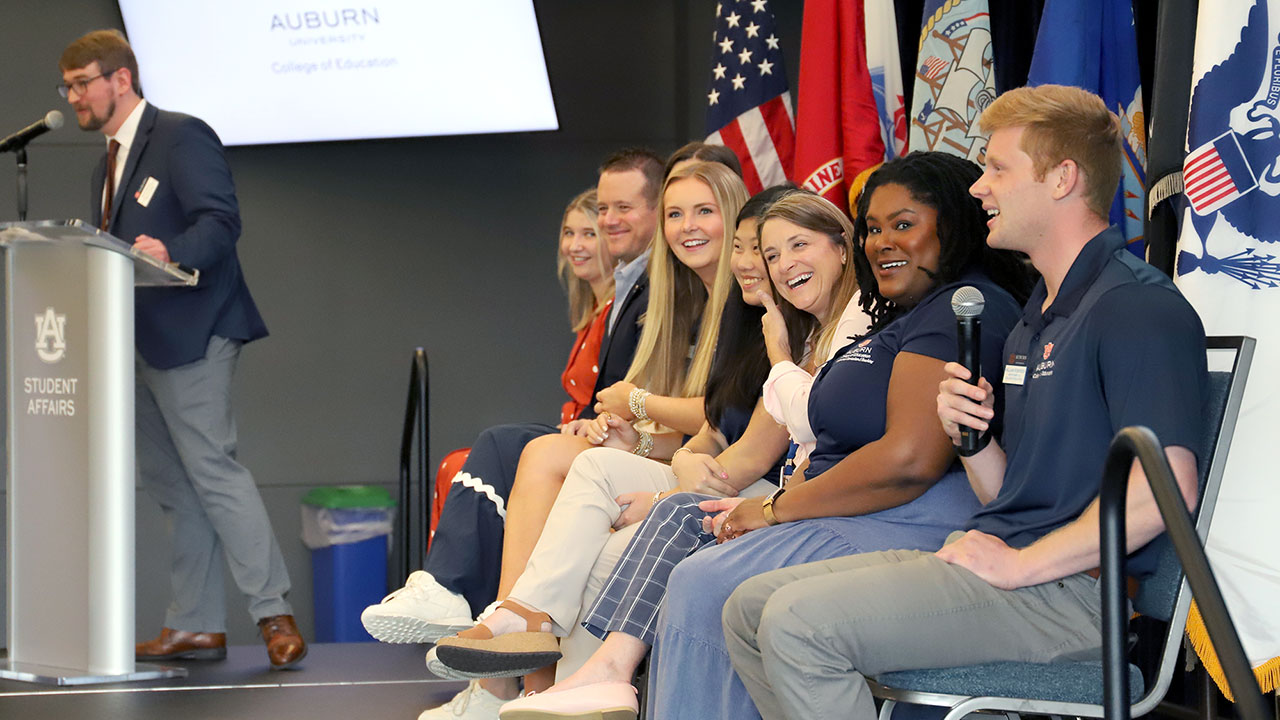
(186, 445)
(803, 638)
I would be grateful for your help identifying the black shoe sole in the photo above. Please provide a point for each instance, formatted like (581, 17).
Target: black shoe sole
(493, 664)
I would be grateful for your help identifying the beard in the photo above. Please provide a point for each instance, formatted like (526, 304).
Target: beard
(96, 122)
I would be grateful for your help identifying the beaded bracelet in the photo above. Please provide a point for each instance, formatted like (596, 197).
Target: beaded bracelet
(644, 445)
(636, 401)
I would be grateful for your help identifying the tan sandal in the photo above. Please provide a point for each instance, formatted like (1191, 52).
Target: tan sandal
(476, 653)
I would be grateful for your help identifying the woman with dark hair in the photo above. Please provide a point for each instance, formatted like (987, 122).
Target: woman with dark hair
(941, 181)
(882, 473)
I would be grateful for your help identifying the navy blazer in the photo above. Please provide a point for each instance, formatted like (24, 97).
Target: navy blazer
(194, 212)
(619, 346)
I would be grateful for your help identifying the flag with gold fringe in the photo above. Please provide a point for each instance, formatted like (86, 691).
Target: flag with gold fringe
(1228, 267)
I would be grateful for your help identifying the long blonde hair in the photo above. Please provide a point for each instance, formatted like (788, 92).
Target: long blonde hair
(582, 298)
(678, 299)
(817, 214)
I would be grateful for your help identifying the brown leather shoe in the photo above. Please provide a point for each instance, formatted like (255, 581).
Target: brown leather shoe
(182, 645)
(285, 646)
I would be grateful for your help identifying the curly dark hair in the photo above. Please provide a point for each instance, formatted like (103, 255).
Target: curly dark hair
(941, 181)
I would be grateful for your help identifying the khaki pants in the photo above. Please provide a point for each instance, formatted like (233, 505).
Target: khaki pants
(803, 638)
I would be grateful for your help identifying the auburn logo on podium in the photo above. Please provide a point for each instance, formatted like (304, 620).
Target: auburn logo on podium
(51, 335)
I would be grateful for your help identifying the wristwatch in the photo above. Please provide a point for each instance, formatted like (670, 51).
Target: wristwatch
(767, 507)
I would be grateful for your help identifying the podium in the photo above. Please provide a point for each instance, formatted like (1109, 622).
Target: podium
(69, 380)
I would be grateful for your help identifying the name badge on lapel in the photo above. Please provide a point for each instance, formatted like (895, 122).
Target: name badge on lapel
(146, 191)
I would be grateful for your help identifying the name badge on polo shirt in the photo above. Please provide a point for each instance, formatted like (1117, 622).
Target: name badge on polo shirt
(146, 191)
(1015, 370)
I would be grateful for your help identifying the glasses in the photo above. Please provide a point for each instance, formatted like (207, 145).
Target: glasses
(64, 89)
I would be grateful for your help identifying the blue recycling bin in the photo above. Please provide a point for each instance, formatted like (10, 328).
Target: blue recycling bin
(347, 529)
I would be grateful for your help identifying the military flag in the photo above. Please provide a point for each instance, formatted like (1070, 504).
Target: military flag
(955, 79)
(1229, 268)
(886, 75)
(838, 126)
(1091, 44)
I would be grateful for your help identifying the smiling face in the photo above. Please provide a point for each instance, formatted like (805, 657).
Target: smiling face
(902, 244)
(626, 218)
(581, 247)
(747, 264)
(1015, 200)
(806, 265)
(693, 226)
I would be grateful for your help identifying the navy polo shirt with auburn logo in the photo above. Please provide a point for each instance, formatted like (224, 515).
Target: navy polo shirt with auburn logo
(848, 401)
(1119, 346)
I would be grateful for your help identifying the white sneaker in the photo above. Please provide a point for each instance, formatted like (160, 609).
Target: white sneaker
(473, 703)
(422, 611)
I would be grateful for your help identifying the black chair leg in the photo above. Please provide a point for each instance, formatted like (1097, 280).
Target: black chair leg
(1208, 694)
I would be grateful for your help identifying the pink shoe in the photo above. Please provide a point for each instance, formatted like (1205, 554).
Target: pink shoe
(598, 701)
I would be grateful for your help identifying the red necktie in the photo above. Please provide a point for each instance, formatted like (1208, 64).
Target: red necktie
(110, 193)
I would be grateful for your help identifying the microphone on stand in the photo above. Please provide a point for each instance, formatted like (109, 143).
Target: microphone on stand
(51, 121)
(967, 303)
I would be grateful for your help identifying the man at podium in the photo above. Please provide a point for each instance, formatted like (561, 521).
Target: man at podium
(164, 185)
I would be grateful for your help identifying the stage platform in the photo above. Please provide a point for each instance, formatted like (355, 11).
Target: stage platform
(338, 681)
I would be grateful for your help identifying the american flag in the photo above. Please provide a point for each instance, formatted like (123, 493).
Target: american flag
(933, 66)
(1216, 173)
(749, 102)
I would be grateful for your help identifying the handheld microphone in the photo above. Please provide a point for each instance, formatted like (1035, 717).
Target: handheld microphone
(967, 303)
(51, 121)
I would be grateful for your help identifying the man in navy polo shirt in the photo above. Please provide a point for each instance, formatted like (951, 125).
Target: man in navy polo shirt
(1105, 341)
